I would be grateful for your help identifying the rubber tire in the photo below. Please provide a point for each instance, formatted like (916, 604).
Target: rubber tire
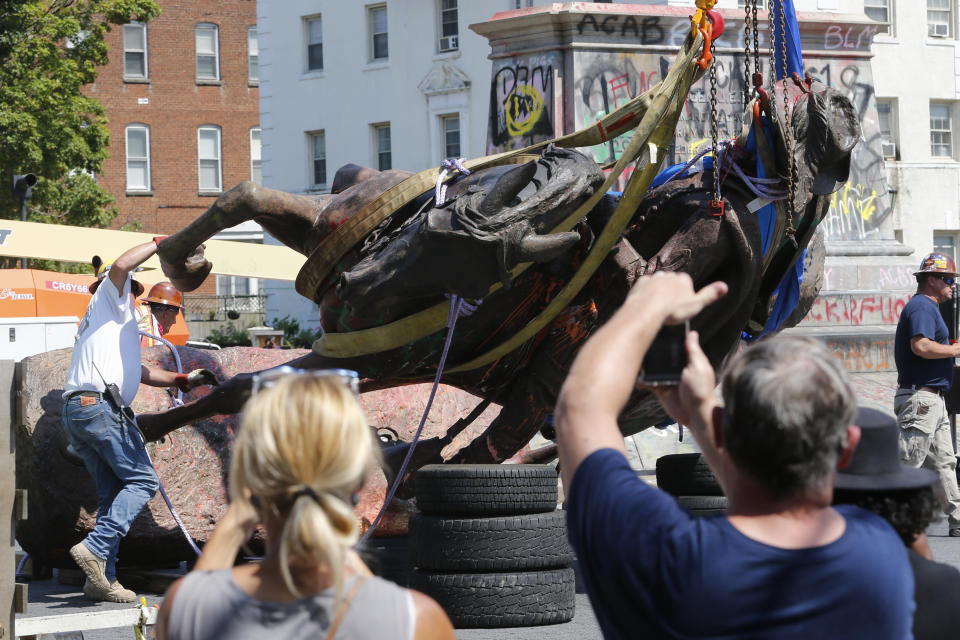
(703, 505)
(491, 600)
(486, 489)
(510, 543)
(388, 558)
(686, 474)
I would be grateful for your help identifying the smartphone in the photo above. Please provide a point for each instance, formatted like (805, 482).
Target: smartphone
(667, 356)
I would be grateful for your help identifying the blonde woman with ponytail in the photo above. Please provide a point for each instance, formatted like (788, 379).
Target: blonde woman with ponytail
(302, 452)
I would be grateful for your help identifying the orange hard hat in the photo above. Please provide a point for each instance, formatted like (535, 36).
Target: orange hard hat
(165, 293)
(938, 263)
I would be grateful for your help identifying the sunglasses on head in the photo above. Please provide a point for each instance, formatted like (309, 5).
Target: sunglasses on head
(947, 280)
(265, 379)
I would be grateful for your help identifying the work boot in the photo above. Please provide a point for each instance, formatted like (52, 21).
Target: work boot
(92, 566)
(114, 593)
(955, 531)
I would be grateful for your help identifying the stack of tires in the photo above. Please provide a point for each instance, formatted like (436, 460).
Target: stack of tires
(490, 546)
(688, 478)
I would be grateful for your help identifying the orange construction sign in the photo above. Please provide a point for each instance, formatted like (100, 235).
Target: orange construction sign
(31, 293)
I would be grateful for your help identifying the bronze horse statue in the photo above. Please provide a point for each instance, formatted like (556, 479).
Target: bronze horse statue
(495, 219)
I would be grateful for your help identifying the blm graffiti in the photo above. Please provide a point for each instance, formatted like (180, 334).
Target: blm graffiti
(605, 81)
(521, 101)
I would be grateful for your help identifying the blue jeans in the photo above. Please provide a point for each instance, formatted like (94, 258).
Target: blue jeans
(115, 456)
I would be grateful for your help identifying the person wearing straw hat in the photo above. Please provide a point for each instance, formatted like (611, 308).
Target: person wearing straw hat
(105, 373)
(876, 480)
(924, 359)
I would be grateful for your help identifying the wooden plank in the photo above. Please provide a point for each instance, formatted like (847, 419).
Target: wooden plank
(84, 621)
(20, 597)
(79, 244)
(7, 487)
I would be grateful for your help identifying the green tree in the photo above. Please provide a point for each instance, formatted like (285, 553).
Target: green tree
(293, 335)
(50, 49)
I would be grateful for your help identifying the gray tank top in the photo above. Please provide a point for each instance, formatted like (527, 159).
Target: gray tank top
(210, 605)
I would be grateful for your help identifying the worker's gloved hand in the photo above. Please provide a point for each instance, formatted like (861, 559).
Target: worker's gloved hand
(189, 381)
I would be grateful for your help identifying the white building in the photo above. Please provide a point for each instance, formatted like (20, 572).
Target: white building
(406, 83)
(400, 84)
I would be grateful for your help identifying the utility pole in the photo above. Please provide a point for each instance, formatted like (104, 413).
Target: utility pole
(23, 189)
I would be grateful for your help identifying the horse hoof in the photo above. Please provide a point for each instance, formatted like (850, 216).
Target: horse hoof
(190, 273)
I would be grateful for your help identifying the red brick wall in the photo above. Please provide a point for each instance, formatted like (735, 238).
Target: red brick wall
(177, 106)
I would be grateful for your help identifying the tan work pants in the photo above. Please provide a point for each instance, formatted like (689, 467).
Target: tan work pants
(925, 441)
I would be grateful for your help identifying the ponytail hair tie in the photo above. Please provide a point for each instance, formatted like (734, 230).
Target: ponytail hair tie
(304, 490)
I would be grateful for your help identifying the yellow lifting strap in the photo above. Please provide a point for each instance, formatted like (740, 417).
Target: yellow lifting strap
(657, 112)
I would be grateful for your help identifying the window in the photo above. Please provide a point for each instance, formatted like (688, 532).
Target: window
(135, 50)
(228, 286)
(208, 52)
(941, 125)
(256, 173)
(208, 157)
(253, 55)
(520, 4)
(378, 32)
(880, 11)
(77, 39)
(887, 122)
(138, 157)
(449, 28)
(451, 136)
(939, 18)
(318, 158)
(945, 243)
(314, 44)
(382, 138)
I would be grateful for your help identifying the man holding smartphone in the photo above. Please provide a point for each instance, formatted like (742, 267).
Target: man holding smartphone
(782, 562)
(924, 358)
(105, 373)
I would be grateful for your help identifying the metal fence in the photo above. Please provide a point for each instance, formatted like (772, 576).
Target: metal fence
(213, 307)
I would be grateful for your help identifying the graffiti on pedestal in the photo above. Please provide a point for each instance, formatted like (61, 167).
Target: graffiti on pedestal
(522, 101)
(605, 81)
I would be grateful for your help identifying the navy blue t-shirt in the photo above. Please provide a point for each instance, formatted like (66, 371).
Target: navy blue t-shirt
(921, 317)
(654, 571)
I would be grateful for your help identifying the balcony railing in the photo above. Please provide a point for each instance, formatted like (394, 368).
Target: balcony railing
(213, 307)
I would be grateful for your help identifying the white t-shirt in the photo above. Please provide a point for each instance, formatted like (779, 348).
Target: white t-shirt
(108, 344)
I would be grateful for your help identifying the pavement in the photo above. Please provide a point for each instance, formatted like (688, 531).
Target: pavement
(49, 597)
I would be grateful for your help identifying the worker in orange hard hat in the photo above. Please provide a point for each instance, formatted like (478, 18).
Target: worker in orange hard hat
(160, 308)
(924, 358)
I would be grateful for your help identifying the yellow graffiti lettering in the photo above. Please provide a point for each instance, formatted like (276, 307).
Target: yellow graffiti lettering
(853, 198)
(696, 144)
(868, 207)
(524, 106)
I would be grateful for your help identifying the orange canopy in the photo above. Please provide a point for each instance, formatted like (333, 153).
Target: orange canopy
(31, 293)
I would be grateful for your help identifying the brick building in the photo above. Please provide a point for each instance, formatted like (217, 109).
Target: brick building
(182, 97)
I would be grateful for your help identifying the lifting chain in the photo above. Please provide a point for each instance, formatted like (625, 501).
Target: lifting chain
(715, 207)
(758, 80)
(747, 90)
(787, 128)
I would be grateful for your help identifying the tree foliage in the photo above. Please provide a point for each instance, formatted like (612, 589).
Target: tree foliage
(50, 49)
(293, 335)
(228, 335)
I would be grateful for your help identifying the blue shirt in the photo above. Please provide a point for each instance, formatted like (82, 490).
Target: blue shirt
(921, 317)
(654, 571)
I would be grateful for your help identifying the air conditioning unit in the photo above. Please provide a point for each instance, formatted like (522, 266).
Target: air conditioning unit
(888, 150)
(448, 44)
(938, 29)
